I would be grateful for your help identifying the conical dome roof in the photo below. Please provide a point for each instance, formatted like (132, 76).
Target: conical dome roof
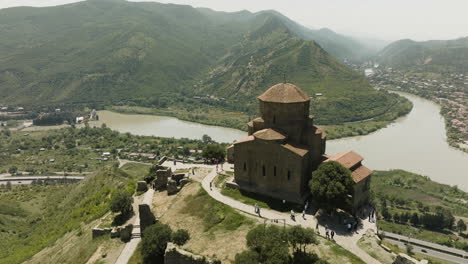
(284, 93)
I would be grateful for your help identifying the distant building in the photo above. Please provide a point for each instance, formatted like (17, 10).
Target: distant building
(284, 147)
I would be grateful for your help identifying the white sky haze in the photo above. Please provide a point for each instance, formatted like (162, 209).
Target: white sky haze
(382, 19)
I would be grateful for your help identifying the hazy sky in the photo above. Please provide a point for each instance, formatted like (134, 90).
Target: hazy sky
(384, 19)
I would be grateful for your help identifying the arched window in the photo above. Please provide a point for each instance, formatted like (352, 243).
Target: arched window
(263, 170)
(274, 171)
(245, 166)
(289, 175)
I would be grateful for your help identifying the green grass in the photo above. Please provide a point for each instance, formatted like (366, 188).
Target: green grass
(338, 250)
(61, 209)
(136, 258)
(406, 192)
(215, 215)
(411, 191)
(438, 237)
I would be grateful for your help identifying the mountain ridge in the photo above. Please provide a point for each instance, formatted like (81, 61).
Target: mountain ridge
(118, 52)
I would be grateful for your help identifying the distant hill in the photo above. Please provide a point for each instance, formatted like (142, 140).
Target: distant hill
(110, 52)
(433, 55)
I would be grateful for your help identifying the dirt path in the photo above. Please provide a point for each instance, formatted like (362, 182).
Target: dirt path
(130, 247)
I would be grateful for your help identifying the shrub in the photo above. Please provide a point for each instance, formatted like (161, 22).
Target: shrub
(126, 233)
(180, 237)
(154, 242)
(121, 202)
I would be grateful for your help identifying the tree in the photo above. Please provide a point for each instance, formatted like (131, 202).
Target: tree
(180, 237)
(270, 242)
(206, 139)
(331, 184)
(414, 219)
(154, 242)
(300, 237)
(247, 257)
(214, 152)
(121, 202)
(13, 170)
(461, 226)
(385, 214)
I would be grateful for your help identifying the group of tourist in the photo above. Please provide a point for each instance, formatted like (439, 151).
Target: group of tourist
(329, 234)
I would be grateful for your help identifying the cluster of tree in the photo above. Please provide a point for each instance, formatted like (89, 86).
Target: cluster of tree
(331, 186)
(54, 119)
(214, 152)
(155, 239)
(271, 244)
(442, 219)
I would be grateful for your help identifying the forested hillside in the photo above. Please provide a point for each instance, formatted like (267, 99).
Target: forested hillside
(430, 56)
(113, 52)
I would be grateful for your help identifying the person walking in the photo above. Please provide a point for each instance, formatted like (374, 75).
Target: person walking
(349, 227)
(303, 214)
(256, 208)
(211, 184)
(332, 234)
(193, 171)
(293, 217)
(327, 233)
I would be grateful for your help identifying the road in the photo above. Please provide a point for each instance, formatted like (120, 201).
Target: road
(431, 249)
(429, 252)
(29, 179)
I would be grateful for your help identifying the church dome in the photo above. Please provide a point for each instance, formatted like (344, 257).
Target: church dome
(284, 93)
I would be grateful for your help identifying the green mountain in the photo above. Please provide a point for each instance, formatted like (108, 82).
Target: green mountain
(113, 52)
(432, 56)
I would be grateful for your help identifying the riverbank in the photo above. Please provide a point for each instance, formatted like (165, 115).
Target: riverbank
(455, 138)
(238, 120)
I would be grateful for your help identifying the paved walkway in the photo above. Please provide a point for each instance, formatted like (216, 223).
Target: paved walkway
(131, 246)
(342, 238)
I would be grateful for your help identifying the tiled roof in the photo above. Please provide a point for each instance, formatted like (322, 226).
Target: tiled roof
(361, 173)
(296, 149)
(347, 159)
(246, 139)
(284, 93)
(269, 134)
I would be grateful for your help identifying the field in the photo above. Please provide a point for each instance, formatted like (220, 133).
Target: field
(405, 193)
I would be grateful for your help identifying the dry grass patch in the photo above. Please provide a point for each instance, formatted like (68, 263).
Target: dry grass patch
(210, 235)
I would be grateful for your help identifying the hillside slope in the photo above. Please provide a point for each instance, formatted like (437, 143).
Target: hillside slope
(431, 56)
(113, 52)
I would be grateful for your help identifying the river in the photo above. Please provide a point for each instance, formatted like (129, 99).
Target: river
(416, 142)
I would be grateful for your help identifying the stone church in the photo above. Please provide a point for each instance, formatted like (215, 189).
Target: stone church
(284, 147)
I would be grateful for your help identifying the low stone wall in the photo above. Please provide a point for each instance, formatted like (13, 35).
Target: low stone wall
(97, 232)
(175, 255)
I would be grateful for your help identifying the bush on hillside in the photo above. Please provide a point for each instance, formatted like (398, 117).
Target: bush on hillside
(180, 237)
(154, 242)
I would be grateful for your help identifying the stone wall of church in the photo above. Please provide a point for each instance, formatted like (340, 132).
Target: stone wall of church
(268, 168)
(291, 119)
